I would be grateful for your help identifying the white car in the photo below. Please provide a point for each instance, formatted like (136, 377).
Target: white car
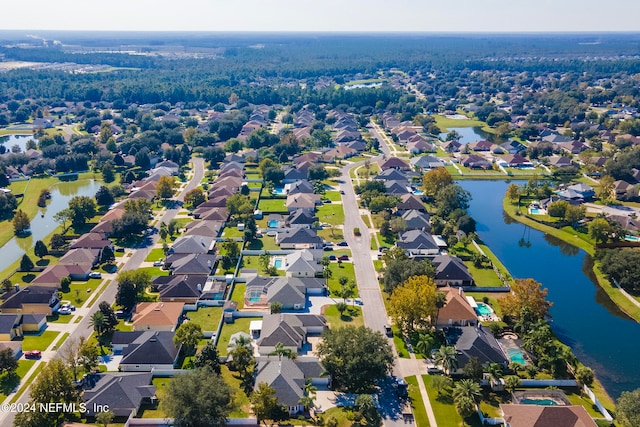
(95, 275)
(158, 263)
(64, 311)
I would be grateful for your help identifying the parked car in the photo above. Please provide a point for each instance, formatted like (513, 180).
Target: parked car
(332, 258)
(64, 311)
(158, 263)
(383, 248)
(343, 257)
(95, 275)
(327, 248)
(342, 192)
(33, 354)
(343, 243)
(388, 330)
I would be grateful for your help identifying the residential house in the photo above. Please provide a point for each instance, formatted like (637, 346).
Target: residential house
(451, 271)
(302, 263)
(288, 378)
(573, 147)
(512, 147)
(123, 393)
(426, 162)
(157, 316)
(394, 163)
(357, 145)
(516, 161)
(290, 330)
(207, 228)
(92, 241)
(482, 145)
(391, 175)
(293, 175)
(410, 202)
(420, 146)
(554, 138)
(291, 292)
(522, 415)
(585, 191)
(211, 214)
(52, 275)
(623, 190)
(473, 161)
(298, 187)
(183, 288)
(145, 351)
(416, 220)
(31, 300)
(396, 188)
(472, 341)
(560, 161)
(304, 201)
(298, 238)
(339, 152)
(418, 243)
(10, 326)
(452, 146)
(193, 244)
(14, 346)
(300, 218)
(457, 311)
(310, 157)
(190, 263)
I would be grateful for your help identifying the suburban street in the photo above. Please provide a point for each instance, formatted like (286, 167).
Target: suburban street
(373, 308)
(83, 328)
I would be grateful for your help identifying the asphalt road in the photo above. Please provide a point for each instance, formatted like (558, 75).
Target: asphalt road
(84, 329)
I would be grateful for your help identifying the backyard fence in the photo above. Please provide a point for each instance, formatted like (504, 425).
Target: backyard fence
(601, 408)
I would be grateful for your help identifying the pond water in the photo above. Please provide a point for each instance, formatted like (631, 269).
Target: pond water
(583, 316)
(21, 140)
(42, 226)
(471, 134)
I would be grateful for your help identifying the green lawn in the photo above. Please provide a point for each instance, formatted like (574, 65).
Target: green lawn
(445, 123)
(377, 264)
(483, 276)
(38, 342)
(155, 255)
(272, 206)
(444, 410)
(334, 196)
(331, 234)
(577, 398)
(238, 294)
(60, 318)
(207, 317)
(352, 316)
(8, 383)
(155, 271)
(228, 329)
(79, 292)
(153, 411)
(242, 406)
(266, 243)
(331, 213)
(346, 269)
(419, 411)
(341, 414)
(231, 232)
(365, 219)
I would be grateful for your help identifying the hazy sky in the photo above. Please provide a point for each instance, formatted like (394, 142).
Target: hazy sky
(323, 15)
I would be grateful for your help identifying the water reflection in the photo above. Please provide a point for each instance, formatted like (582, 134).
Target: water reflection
(565, 248)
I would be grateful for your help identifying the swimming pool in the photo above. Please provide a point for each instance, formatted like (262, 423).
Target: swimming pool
(542, 402)
(535, 211)
(274, 223)
(516, 356)
(418, 192)
(631, 238)
(277, 263)
(279, 191)
(483, 309)
(254, 299)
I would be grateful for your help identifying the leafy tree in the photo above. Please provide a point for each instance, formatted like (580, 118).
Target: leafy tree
(197, 398)
(280, 350)
(107, 255)
(82, 208)
(105, 418)
(97, 322)
(21, 222)
(441, 383)
(628, 408)
(606, 191)
(265, 405)
(88, 354)
(8, 362)
(63, 217)
(451, 198)
(239, 205)
(355, 357)
(165, 187)
(232, 248)
(599, 230)
(584, 375)
(65, 283)
(494, 372)
(558, 209)
(243, 362)
(473, 369)
(435, 180)
(275, 307)
(208, 357)
(108, 173)
(413, 304)
(104, 196)
(621, 265)
(398, 270)
(526, 293)
(573, 214)
(194, 197)
(7, 285)
(127, 296)
(57, 241)
(40, 249)
(446, 358)
(110, 319)
(188, 334)
(25, 263)
(53, 384)
(426, 342)
(341, 306)
(8, 204)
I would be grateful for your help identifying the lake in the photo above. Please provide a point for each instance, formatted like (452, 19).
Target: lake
(42, 226)
(471, 134)
(583, 316)
(21, 140)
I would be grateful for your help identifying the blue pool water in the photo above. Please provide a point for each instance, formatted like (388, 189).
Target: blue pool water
(483, 310)
(254, 299)
(543, 402)
(277, 263)
(516, 356)
(418, 192)
(535, 211)
(631, 238)
(274, 223)
(279, 191)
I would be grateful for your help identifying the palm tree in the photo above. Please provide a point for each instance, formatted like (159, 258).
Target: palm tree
(309, 394)
(425, 343)
(280, 350)
(446, 357)
(240, 341)
(467, 389)
(98, 322)
(441, 300)
(511, 382)
(494, 373)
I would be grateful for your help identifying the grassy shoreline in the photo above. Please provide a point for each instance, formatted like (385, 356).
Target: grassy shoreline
(616, 296)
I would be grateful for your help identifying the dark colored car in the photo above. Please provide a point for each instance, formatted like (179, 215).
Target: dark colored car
(343, 243)
(332, 258)
(33, 354)
(343, 257)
